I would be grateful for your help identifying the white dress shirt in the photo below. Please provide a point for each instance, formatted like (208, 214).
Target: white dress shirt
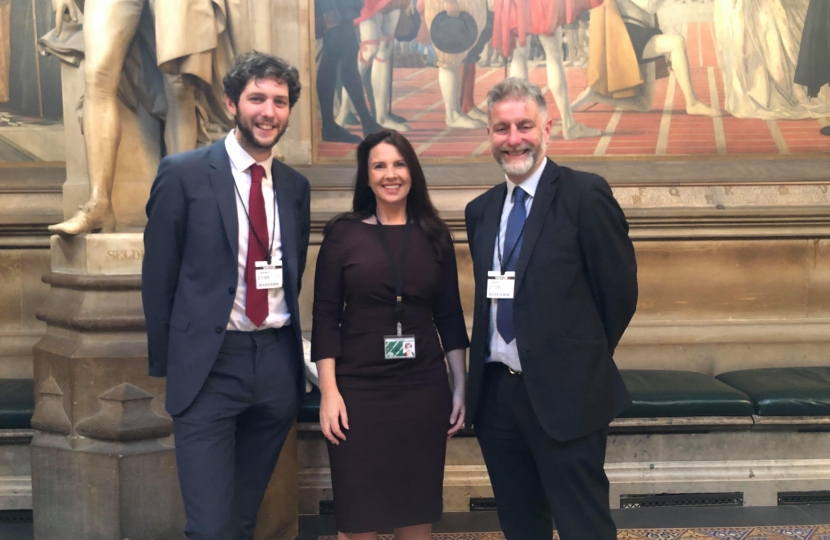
(500, 351)
(241, 162)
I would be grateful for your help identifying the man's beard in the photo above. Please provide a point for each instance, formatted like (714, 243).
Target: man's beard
(519, 167)
(248, 134)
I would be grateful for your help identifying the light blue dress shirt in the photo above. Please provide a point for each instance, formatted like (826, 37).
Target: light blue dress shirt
(507, 353)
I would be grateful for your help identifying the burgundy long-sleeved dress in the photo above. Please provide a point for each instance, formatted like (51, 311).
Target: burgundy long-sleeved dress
(389, 471)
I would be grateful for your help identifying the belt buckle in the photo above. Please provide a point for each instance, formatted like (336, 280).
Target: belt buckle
(512, 372)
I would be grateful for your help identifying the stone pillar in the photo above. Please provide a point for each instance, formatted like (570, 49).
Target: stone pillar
(103, 461)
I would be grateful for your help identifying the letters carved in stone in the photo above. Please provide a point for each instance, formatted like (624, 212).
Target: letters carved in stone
(125, 254)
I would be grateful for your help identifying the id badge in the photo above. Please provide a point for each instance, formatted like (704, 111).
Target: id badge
(399, 347)
(500, 286)
(268, 276)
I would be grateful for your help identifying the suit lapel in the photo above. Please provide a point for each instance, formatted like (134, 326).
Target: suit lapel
(221, 178)
(538, 211)
(288, 238)
(485, 241)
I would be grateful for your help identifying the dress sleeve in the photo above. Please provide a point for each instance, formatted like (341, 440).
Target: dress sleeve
(446, 311)
(327, 310)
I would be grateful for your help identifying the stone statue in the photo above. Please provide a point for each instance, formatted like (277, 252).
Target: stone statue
(192, 41)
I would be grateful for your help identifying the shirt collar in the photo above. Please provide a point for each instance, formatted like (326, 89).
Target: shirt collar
(242, 160)
(530, 184)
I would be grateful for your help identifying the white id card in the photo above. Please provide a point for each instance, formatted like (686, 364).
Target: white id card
(500, 286)
(399, 347)
(268, 276)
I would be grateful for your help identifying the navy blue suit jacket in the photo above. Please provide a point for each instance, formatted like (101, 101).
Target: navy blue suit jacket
(575, 293)
(190, 267)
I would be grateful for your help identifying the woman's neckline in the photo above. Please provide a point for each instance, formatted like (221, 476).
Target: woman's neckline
(375, 224)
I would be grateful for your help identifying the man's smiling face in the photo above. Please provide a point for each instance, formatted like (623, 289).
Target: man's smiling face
(519, 134)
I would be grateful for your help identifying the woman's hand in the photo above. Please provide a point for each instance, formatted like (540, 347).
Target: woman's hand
(458, 411)
(332, 407)
(332, 416)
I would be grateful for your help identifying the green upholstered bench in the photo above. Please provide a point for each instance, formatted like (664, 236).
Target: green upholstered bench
(794, 391)
(667, 393)
(656, 394)
(17, 403)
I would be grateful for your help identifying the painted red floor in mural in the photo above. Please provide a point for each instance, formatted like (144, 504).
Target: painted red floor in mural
(664, 130)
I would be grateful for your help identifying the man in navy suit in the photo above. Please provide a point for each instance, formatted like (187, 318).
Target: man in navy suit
(556, 286)
(225, 250)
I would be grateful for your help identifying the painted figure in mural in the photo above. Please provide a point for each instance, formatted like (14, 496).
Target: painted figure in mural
(192, 42)
(515, 20)
(335, 24)
(813, 69)
(5, 49)
(625, 42)
(376, 24)
(576, 36)
(459, 31)
(758, 46)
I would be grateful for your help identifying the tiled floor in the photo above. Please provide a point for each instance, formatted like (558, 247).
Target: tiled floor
(664, 130)
(745, 523)
(741, 519)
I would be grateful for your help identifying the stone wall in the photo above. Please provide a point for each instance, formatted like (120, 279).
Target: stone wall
(30, 199)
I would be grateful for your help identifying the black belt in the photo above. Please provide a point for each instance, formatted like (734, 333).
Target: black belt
(497, 364)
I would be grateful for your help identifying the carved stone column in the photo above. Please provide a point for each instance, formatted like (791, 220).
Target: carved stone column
(103, 461)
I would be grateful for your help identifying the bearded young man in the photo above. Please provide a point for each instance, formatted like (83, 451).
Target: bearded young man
(556, 286)
(225, 250)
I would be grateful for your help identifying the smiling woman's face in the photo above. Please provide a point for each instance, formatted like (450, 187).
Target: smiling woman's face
(388, 175)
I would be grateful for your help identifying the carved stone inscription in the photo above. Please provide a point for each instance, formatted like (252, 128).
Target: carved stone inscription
(125, 254)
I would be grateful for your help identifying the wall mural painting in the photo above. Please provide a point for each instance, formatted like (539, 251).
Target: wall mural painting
(31, 110)
(622, 77)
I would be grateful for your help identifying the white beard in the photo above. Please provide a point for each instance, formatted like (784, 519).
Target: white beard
(518, 167)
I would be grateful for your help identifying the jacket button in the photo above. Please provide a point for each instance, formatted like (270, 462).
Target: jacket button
(232, 290)
(219, 329)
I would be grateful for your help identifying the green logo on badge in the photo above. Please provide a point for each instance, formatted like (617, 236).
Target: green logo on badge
(394, 349)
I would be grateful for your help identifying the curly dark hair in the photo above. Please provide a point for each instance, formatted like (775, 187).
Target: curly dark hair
(257, 65)
(419, 206)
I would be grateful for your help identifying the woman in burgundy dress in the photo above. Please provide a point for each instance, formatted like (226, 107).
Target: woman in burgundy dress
(386, 288)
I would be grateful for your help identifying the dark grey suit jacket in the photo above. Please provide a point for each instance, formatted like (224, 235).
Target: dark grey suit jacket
(190, 264)
(575, 293)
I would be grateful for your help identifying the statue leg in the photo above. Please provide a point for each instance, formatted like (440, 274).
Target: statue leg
(181, 128)
(676, 47)
(109, 28)
(558, 84)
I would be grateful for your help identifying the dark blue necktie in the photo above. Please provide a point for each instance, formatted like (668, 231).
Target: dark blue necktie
(510, 255)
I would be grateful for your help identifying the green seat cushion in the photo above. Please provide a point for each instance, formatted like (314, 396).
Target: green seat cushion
(795, 391)
(667, 393)
(17, 403)
(310, 407)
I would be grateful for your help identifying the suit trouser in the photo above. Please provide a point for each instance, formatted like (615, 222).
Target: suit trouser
(536, 479)
(229, 439)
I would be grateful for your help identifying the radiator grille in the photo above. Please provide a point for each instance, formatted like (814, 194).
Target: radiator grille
(786, 498)
(681, 499)
(15, 516)
(326, 508)
(482, 504)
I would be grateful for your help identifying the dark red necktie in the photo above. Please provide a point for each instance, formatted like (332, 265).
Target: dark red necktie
(256, 300)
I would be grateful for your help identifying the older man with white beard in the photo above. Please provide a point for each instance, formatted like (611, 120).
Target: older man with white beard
(556, 286)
